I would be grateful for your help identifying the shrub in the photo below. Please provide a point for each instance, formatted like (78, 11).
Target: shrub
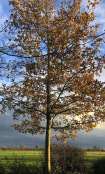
(37, 146)
(66, 159)
(4, 148)
(2, 169)
(22, 146)
(22, 168)
(99, 166)
(18, 167)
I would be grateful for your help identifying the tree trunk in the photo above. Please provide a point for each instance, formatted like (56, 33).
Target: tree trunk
(47, 146)
(48, 116)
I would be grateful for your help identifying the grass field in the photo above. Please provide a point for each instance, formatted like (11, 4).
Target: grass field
(29, 157)
(92, 157)
(36, 157)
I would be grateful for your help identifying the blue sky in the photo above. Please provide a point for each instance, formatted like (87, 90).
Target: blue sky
(10, 137)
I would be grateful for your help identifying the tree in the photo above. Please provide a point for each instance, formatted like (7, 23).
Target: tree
(37, 146)
(54, 55)
(22, 146)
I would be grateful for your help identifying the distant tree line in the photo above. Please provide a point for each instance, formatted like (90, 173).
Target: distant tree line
(95, 148)
(22, 147)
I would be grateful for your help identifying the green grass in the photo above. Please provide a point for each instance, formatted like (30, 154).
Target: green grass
(92, 157)
(29, 157)
(36, 157)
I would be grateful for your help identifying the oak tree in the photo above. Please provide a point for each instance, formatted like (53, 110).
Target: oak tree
(53, 51)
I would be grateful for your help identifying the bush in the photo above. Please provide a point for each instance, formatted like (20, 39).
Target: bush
(2, 169)
(66, 159)
(37, 146)
(22, 168)
(18, 167)
(22, 146)
(4, 148)
(99, 166)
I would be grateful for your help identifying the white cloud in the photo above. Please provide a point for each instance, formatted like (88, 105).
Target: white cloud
(101, 77)
(101, 126)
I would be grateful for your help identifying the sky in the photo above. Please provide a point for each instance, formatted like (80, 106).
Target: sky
(11, 137)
